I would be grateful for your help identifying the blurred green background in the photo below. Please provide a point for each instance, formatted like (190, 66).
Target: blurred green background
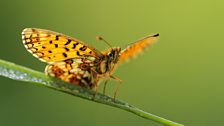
(180, 78)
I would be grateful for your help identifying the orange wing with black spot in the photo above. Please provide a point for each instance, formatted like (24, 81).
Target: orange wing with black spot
(137, 47)
(50, 47)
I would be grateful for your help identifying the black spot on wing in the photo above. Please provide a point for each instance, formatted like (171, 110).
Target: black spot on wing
(57, 37)
(64, 54)
(66, 49)
(83, 48)
(74, 45)
(156, 35)
(68, 42)
(78, 53)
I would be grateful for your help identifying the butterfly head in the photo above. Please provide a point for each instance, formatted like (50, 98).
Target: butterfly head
(113, 55)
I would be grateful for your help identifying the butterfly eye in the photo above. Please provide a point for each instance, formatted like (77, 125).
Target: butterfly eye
(110, 54)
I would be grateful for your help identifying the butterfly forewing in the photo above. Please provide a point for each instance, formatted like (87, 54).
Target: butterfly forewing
(137, 47)
(51, 46)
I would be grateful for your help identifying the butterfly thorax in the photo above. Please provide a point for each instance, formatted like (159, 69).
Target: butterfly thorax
(109, 62)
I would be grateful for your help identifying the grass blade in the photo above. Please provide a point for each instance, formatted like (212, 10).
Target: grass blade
(20, 73)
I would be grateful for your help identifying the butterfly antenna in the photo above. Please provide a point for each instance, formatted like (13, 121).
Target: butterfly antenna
(100, 38)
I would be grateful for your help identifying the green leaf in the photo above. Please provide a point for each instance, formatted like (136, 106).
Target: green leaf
(20, 73)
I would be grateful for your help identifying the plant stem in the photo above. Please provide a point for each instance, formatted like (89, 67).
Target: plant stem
(20, 73)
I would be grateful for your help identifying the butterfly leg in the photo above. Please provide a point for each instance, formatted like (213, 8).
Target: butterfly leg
(118, 87)
(104, 87)
(96, 91)
(96, 85)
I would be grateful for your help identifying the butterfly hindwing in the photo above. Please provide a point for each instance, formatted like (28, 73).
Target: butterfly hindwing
(137, 47)
(75, 71)
(49, 46)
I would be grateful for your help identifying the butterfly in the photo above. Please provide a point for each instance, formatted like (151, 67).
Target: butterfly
(76, 62)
